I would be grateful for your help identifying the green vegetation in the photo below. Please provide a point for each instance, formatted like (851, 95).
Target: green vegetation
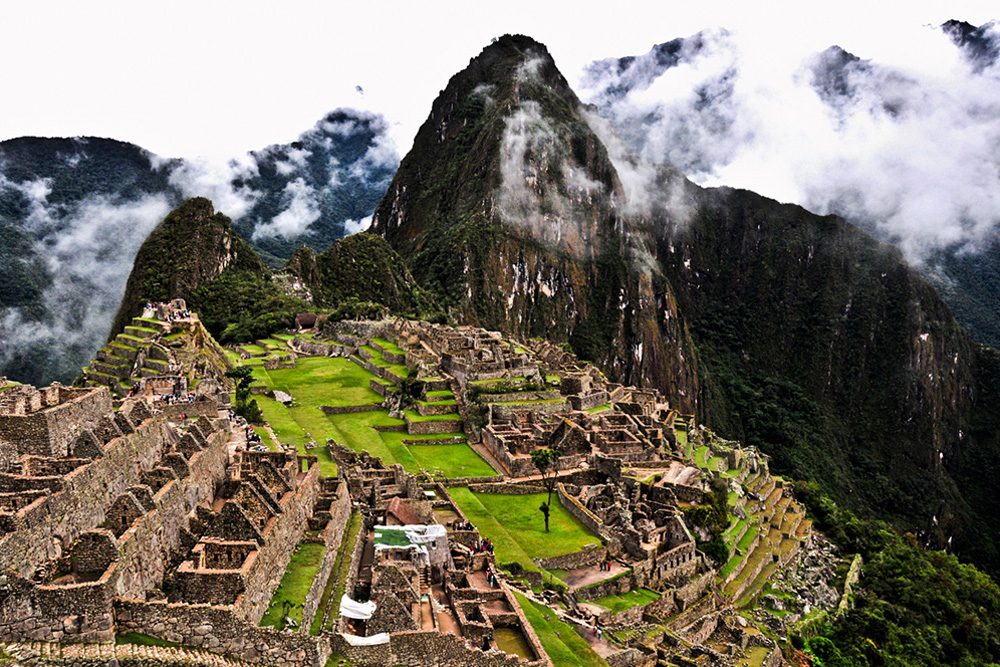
(911, 606)
(140, 639)
(637, 598)
(295, 584)
(560, 640)
(546, 460)
(245, 406)
(334, 589)
(511, 522)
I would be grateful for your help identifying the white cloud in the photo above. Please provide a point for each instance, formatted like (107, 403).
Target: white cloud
(301, 210)
(203, 177)
(355, 226)
(913, 151)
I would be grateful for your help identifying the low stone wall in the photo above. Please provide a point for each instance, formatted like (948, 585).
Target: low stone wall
(433, 426)
(340, 514)
(584, 558)
(414, 648)
(348, 409)
(619, 585)
(508, 410)
(208, 408)
(507, 488)
(219, 630)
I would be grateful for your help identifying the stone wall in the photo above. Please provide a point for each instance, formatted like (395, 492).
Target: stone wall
(51, 524)
(219, 630)
(435, 426)
(199, 408)
(592, 522)
(584, 558)
(280, 541)
(340, 514)
(414, 648)
(349, 409)
(144, 547)
(506, 488)
(57, 613)
(50, 431)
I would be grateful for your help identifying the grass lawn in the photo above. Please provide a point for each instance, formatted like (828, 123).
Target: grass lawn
(457, 460)
(294, 586)
(517, 527)
(637, 598)
(454, 460)
(314, 382)
(559, 639)
(317, 381)
(388, 346)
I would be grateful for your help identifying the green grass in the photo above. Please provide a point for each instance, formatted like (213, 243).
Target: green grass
(330, 381)
(452, 460)
(143, 640)
(255, 350)
(599, 408)
(417, 417)
(440, 393)
(637, 598)
(294, 586)
(312, 383)
(388, 346)
(517, 527)
(338, 576)
(560, 640)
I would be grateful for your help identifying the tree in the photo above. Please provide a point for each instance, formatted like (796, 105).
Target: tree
(545, 460)
(246, 407)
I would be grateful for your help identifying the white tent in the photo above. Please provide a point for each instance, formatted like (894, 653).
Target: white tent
(357, 610)
(374, 640)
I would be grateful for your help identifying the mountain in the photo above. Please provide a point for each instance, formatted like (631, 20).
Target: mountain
(73, 213)
(195, 254)
(506, 208)
(801, 334)
(852, 143)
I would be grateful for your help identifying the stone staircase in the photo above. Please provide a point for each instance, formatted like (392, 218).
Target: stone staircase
(111, 654)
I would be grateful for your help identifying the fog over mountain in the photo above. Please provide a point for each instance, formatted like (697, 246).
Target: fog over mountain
(73, 213)
(909, 151)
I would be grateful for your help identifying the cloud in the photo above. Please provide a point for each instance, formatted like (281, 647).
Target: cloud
(908, 147)
(355, 226)
(220, 181)
(301, 210)
(89, 251)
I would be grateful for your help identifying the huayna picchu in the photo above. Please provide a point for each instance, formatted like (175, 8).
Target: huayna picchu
(556, 407)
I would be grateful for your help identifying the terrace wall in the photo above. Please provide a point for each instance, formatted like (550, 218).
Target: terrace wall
(50, 431)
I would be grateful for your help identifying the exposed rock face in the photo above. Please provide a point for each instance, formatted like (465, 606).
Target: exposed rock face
(795, 332)
(189, 248)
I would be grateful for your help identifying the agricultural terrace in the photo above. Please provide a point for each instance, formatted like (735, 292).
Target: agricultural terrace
(315, 382)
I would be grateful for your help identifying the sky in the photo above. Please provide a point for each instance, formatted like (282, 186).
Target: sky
(217, 78)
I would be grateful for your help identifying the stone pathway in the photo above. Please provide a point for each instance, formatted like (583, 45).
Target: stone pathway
(584, 576)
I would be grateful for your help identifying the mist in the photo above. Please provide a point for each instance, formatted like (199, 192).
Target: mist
(909, 149)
